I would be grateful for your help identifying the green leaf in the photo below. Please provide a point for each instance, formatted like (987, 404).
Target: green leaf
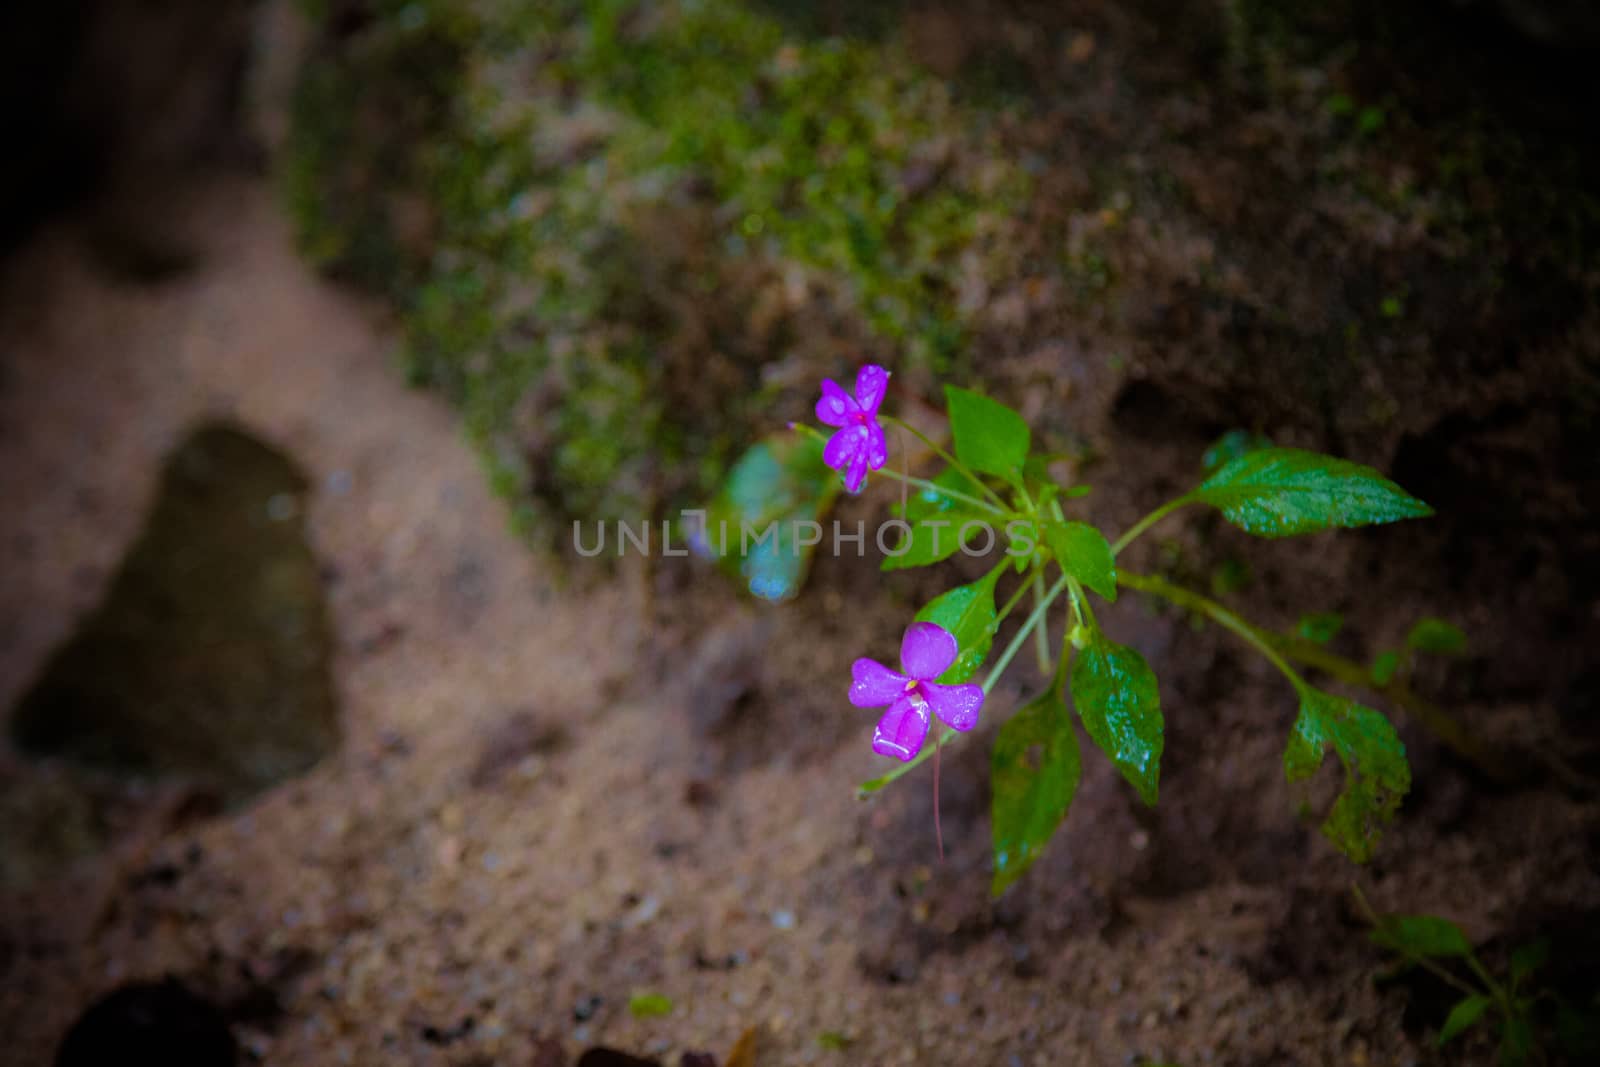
(1376, 773)
(1526, 959)
(1383, 667)
(1279, 492)
(1116, 696)
(1516, 1041)
(967, 611)
(937, 538)
(1230, 446)
(924, 503)
(1083, 553)
(1427, 936)
(989, 436)
(1031, 798)
(1437, 636)
(649, 1005)
(1467, 1011)
(750, 527)
(1320, 628)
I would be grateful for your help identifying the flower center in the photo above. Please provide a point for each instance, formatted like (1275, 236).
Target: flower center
(860, 418)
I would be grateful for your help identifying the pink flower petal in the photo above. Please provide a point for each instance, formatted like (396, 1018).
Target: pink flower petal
(927, 650)
(877, 447)
(857, 472)
(902, 729)
(844, 447)
(872, 381)
(956, 705)
(836, 405)
(872, 685)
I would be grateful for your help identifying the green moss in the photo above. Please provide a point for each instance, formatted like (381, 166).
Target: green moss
(584, 210)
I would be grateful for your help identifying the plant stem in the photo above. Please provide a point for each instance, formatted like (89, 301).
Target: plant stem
(1442, 973)
(1076, 601)
(1211, 609)
(1279, 649)
(1010, 604)
(947, 457)
(1435, 720)
(923, 483)
(1041, 633)
(1148, 521)
(948, 735)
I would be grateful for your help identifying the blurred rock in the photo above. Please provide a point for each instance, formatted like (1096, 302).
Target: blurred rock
(208, 660)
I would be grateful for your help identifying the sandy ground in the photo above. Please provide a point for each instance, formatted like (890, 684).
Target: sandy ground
(524, 816)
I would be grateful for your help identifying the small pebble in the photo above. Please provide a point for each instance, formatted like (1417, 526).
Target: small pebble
(783, 920)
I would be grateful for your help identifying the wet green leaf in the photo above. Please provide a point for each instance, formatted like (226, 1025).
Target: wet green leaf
(967, 611)
(649, 1005)
(1031, 796)
(923, 503)
(1321, 627)
(755, 527)
(1279, 492)
(1467, 1011)
(1083, 553)
(989, 437)
(938, 537)
(1230, 446)
(1117, 699)
(1437, 636)
(1376, 773)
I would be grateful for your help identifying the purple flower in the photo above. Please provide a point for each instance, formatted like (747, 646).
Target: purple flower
(859, 442)
(927, 652)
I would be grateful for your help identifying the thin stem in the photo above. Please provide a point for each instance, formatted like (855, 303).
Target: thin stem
(1488, 980)
(807, 430)
(1041, 635)
(1279, 649)
(1442, 973)
(923, 483)
(1080, 601)
(1001, 616)
(1027, 497)
(947, 457)
(1438, 722)
(905, 471)
(1211, 609)
(947, 735)
(1016, 642)
(1148, 521)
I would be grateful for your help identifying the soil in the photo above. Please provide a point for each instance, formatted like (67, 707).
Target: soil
(558, 787)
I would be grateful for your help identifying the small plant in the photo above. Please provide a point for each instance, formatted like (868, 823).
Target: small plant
(992, 477)
(1508, 1004)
